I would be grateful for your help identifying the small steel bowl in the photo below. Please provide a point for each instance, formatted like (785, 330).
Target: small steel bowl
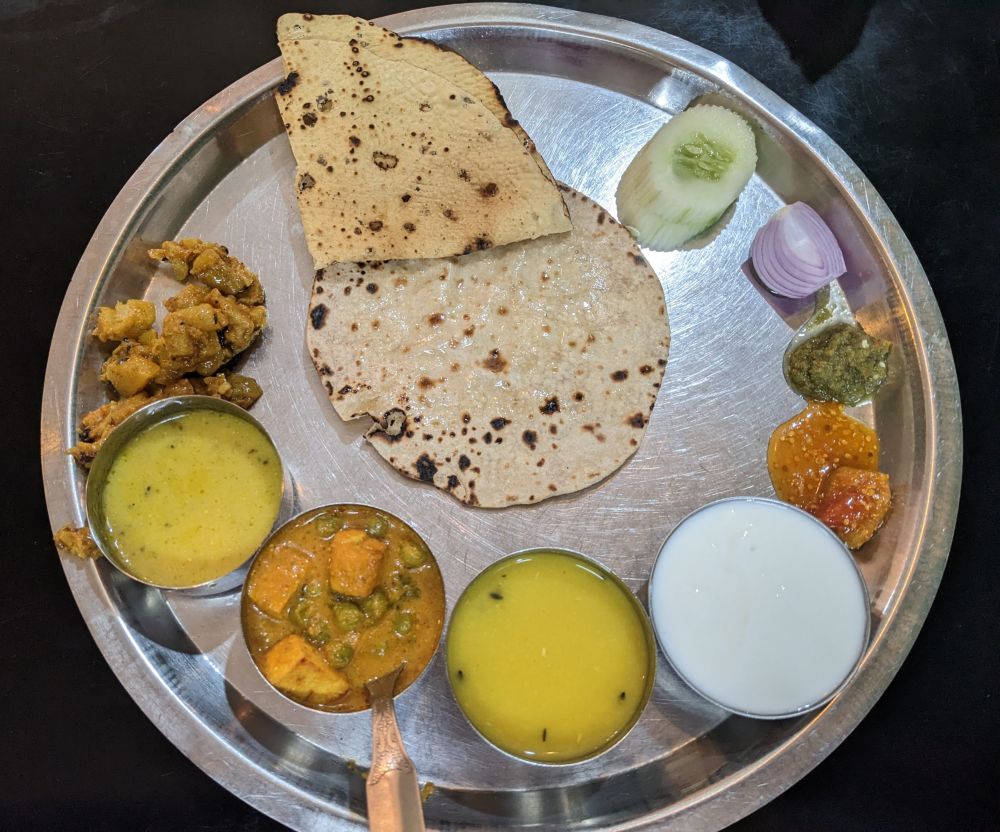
(647, 629)
(145, 417)
(847, 554)
(245, 600)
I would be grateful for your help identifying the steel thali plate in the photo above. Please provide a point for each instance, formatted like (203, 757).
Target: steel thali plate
(590, 90)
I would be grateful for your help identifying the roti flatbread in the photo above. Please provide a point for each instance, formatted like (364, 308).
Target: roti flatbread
(504, 377)
(396, 161)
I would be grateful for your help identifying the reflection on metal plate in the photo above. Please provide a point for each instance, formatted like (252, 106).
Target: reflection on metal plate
(590, 91)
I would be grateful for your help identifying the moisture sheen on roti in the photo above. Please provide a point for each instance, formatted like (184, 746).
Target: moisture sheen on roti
(401, 152)
(504, 377)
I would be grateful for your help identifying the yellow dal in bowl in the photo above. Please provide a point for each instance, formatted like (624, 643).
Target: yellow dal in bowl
(549, 658)
(190, 499)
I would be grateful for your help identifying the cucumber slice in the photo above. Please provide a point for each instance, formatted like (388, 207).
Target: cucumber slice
(686, 176)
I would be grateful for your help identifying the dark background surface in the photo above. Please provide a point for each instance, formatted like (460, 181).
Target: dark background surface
(909, 89)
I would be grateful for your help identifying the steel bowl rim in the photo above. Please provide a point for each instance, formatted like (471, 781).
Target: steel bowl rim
(648, 632)
(841, 546)
(145, 417)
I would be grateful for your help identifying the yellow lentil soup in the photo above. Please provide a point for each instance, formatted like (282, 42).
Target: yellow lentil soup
(550, 657)
(189, 499)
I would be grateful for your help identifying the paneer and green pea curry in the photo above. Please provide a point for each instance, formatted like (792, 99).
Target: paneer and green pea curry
(340, 596)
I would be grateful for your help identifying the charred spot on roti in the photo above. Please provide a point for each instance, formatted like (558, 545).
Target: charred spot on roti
(309, 119)
(619, 375)
(345, 390)
(499, 423)
(530, 438)
(392, 426)
(290, 81)
(385, 161)
(488, 438)
(495, 362)
(452, 482)
(489, 189)
(540, 463)
(463, 462)
(637, 420)
(375, 225)
(601, 217)
(449, 214)
(553, 430)
(435, 319)
(371, 288)
(409, 226)
(645, 369)
(463, 174)
(317, 315)
(551, 406)
(578, 396)
(306, 181)
(426, 383)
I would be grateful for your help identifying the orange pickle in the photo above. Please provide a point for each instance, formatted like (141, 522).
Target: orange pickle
(826, 462)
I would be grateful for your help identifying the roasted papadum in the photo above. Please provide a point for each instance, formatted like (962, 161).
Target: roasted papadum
(403, 150)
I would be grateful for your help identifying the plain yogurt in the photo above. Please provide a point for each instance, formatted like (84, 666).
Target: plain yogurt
(759, 607)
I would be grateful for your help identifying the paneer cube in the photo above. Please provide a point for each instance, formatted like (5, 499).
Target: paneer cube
(127, 319)
(854, 503)
(355, 562)
(295, 667)
(277, 577)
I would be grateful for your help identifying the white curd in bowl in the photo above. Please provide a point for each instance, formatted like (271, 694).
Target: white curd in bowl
(759, 607)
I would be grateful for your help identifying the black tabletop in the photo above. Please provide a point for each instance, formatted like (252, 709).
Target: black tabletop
(909, 89)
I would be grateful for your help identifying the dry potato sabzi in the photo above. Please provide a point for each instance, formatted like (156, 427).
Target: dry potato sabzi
(355, 585)
(208, 323)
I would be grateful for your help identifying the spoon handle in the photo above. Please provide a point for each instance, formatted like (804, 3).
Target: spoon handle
(394, 803)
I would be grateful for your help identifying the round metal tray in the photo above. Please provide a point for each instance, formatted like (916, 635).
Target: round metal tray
(590, 90)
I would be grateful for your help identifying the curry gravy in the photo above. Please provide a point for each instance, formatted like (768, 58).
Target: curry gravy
(191, 498)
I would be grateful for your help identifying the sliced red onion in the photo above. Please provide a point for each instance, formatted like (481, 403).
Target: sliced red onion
(795, 252)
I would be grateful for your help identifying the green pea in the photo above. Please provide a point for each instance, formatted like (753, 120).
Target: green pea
(318, 632)
(377, 526)
(339, 653)
(375, 605)
(411, 556)
(300, 613)
(327, 525)
(404, 623)
(348, 616)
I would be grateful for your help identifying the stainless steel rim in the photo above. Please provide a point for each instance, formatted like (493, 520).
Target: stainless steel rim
(719, 803)
(857, 572)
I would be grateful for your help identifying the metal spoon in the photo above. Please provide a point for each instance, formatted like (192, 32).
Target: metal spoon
(394, 803)
(831, 308)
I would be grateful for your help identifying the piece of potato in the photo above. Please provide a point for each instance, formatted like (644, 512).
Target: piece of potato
(296, 667)
(130, 368)
(355, 562)
(277, 577)
(127, 319)
(854, 503)
(77, 541)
